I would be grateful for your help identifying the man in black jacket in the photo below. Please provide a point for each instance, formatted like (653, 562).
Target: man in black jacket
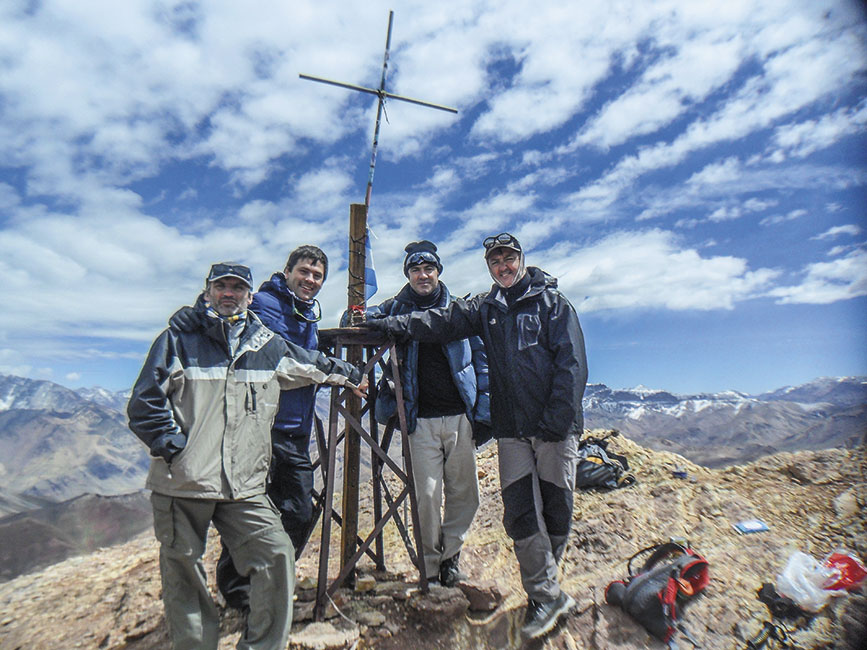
(445, 393)
(537, 371)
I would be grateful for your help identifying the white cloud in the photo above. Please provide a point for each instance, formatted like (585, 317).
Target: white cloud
(827, 282)
(542, 178)
(324, 190)
(782, 218)
(836, 231)
(799, 140)
(727, 195)
(650, 270)
(666, 89)
(791, 78)
(724, 171)
(558, 59)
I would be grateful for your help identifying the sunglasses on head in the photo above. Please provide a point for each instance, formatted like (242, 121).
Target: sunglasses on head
(222, 270)
(420, 258)
(503, 239)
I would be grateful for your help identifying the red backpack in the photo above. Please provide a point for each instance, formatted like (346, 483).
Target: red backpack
(671, 576)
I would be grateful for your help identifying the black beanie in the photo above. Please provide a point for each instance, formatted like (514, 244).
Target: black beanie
(418, 252)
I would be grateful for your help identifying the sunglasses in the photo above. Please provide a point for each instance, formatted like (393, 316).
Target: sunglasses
(503, 239)
(317, 312)
(236, 270)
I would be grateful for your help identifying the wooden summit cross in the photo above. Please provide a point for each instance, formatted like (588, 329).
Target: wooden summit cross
(356, 343)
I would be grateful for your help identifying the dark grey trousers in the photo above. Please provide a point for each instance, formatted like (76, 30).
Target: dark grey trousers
(261, 549)
(537, 480)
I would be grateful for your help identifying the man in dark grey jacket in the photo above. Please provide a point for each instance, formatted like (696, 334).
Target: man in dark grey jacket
(538, 371)
(203, 404)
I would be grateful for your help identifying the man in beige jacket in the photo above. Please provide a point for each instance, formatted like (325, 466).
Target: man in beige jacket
(203, 404)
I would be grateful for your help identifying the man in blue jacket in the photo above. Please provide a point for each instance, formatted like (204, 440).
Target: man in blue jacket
(445, 392)
(286, 304)
(538, 372)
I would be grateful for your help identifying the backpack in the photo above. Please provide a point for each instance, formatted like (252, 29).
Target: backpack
(599, 468)
(671, 577)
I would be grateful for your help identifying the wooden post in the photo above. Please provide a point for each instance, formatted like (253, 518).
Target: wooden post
(354, 354)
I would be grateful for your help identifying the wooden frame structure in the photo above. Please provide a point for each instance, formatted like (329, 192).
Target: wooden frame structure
(375, 346)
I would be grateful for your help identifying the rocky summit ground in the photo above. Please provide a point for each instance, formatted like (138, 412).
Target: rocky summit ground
(812, 502)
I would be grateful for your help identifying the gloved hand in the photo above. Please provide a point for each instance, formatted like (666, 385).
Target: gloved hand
(168, 445)
(375, 324)
(186, 319)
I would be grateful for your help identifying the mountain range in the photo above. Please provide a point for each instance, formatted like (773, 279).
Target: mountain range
(730, 427)
(58, 445)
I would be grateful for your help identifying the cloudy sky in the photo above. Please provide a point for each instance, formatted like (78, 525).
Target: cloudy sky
(692, 172)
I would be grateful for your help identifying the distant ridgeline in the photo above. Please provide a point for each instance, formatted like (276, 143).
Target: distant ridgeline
(58, 444)
(731, 428)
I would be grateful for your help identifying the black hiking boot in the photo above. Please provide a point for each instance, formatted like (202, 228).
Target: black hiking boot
(450, 574)
(542, 617)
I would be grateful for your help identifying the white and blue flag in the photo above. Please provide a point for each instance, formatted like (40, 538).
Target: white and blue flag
(369, 272)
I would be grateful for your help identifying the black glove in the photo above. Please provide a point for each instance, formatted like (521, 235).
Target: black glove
(186, 319)
(168, 445)
(375, 324)
(482, 433)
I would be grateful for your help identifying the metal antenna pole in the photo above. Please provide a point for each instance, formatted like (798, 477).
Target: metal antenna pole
(379, 104)
(381, 94)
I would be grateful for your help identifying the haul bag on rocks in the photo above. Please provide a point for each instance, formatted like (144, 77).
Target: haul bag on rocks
(597, 467)
(654, 595)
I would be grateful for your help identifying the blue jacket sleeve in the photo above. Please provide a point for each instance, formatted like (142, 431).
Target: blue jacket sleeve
(482, 409)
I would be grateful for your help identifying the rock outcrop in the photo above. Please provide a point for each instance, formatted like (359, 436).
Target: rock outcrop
(812, 502)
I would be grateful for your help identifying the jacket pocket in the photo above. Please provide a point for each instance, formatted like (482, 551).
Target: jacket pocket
(529, 327)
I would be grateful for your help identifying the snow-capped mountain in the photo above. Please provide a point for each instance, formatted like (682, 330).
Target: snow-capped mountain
(22, 393)
(56, 445)
(840, 391)
(112, 399)
(731, 427)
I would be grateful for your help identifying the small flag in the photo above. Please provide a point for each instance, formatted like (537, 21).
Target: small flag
(369, 272)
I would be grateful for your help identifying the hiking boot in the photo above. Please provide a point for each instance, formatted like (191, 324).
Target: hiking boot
(450, 574)
(542, 617)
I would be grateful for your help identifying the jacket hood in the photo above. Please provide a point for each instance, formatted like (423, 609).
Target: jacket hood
(540, 280)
